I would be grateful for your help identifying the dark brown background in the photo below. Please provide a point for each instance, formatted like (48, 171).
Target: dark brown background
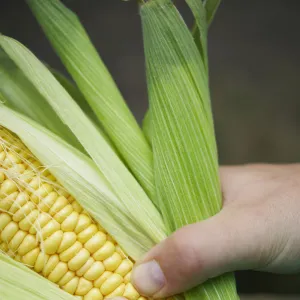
(254, 59)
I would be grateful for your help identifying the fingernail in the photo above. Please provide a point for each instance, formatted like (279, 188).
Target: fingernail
(148, 278)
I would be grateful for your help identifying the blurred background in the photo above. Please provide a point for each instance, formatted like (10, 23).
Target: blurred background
(254, 51)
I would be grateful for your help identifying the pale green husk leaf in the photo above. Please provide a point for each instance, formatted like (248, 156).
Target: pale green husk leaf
(75, 93)
(120, 179)
(184, 147)
(22, 96)
(73, 45)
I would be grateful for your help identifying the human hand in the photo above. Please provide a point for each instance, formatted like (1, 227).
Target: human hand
(258, 228)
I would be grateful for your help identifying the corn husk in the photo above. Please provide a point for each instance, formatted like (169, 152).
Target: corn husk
(184, 147)
(72, 44)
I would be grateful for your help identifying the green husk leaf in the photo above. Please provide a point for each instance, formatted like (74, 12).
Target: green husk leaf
(75, 93)
(80, 176)
(19, 282)
(199, 12)
(183, 142)
(73, 45)
(203, 19)
(120, 179)
(22, 96)
(211, 7)
(147, 128)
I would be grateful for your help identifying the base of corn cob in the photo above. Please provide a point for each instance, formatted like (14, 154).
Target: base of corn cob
(44, 227)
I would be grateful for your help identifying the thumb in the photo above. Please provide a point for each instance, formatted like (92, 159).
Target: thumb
(226, 242)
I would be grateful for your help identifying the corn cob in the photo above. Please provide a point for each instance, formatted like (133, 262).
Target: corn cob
(44, 227)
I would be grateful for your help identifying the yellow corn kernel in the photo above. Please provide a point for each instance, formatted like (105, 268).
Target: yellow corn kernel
(130, 292)
(28, 244)
(59, 271)
(85, 267)
(112, 262)
(7, 187)
(23, 211)
(69, 239)
(50, 265)
(119, 291)
(33, 185)
(41, 262)
(42, 220)
(63, 213)
(51, 227)
(84, 286)
(59, 204)
(83, 222)
(27, 222)
(11, 159)
(125, 267)
(2, 177)
(41, 192)
(79, 260)
(4, 220)
(70, 252)
(95, 271)
(52, 243)
(87, 233)
(17, 169)
(93, 294)
(98, 283)
(105, 251)
(77, 207)
(7, 201)
(66, 278)
(70, 222)
(127, 277)
(47, 202)
(9, 231)
(17, 240)
(71, 286)
(20, 200)
(31, 257)
(111, 283)
(4, 247)
(96, 242)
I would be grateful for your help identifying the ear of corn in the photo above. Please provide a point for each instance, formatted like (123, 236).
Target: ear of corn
(45, 228)
(19, 93)
(73, 46)
(184, 147)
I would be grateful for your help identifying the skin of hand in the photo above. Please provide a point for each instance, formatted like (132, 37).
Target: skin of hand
(258, 228)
